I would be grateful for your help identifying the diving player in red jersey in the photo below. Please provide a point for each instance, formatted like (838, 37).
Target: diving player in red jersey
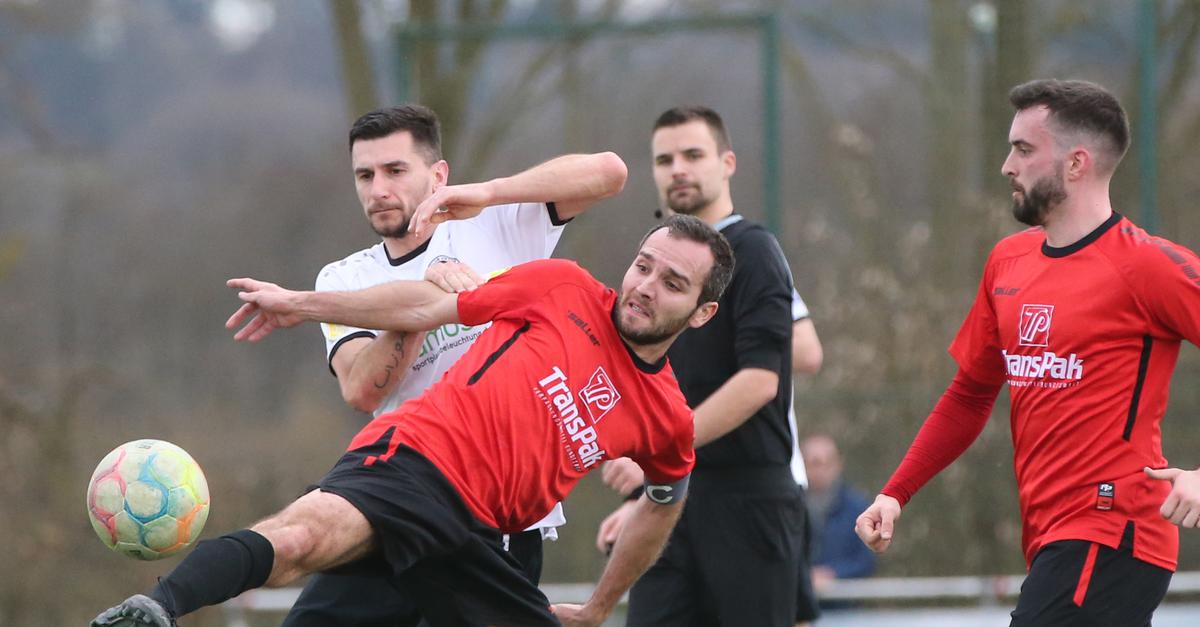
(1082, 315)
(570, 373)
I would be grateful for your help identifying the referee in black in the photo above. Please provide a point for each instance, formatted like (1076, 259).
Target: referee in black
(738, 553)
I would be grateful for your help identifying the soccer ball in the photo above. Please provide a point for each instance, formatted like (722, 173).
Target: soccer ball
(147, 499)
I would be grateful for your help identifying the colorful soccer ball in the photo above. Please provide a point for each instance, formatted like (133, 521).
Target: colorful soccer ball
(147, 499)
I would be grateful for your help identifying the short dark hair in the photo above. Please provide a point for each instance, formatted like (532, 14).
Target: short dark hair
(677, 116)
(1078, 106)
(694, 229)
(418, 121)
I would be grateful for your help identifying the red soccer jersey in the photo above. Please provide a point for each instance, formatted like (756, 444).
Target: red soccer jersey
(1087, 337)
(544, 395)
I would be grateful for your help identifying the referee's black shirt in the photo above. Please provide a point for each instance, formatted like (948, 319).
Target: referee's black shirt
(752, 329)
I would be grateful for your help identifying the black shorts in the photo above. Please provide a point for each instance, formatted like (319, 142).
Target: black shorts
(733, 558)
(452, 567)
(807, 605)
(356, 597)
(1076, 583)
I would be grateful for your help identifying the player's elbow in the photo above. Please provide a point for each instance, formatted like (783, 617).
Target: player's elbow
(808, 362)
(613, 173)
(362, 398)
(763, 385)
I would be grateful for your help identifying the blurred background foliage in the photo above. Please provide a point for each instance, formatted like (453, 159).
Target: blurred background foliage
(150, 150)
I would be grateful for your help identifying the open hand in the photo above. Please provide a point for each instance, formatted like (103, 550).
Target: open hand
(610, 528)
(453, 276)
(450, 202)
(267, 307)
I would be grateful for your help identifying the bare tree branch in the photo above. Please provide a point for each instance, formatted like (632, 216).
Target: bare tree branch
(358, 79)
(874, 54)
(1185, 24)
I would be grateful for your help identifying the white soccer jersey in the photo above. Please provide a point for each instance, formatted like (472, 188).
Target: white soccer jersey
(499, 237)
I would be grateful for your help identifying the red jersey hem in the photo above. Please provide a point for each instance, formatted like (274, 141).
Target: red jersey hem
(1112, 541)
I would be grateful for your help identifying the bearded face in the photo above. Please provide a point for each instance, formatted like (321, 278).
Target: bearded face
(687, 198)
(641, 324)
(1032, 205)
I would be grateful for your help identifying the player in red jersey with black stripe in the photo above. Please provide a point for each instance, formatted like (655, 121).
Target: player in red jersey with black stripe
(569, 374)
(1082, 315)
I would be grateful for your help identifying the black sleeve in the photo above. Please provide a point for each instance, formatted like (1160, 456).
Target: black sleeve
(552, 209)
(333, 351)
(762, 302)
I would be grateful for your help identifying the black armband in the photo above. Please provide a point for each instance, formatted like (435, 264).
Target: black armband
(636, 493)
(666, 494)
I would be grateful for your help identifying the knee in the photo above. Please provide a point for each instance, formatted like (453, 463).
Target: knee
(294, 539)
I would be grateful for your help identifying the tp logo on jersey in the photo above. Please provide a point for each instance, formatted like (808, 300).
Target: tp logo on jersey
(599, 395)
(1034, 328)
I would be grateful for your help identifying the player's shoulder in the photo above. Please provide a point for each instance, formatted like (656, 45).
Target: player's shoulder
(1133, 249)
(754, 246)
(552, 270)
(747, 233)
(678, 413)
(1018, 244)
(345, 269)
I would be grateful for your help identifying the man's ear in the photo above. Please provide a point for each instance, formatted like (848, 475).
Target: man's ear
(729, 159)
(1079, 163)
(441, 173)
(703, 314)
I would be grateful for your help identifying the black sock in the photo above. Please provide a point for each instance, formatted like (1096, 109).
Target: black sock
(216, 571)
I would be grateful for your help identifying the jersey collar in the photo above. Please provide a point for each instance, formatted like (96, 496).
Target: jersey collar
(641, 364)
(1063, 251)
(406, 257)
(728, 220)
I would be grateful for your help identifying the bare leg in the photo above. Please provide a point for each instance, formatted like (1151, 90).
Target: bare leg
(316, 532)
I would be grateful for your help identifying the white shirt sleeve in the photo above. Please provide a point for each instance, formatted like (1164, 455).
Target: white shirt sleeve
(799, 309)
(526, 230)
(332, 280)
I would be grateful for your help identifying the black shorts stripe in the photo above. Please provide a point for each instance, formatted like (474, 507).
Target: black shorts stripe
(496, 355)
(1143, 366)
(1121, 591)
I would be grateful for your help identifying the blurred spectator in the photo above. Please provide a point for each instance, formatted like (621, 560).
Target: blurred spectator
(833, 506)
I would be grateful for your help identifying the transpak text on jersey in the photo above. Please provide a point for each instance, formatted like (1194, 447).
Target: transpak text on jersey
(1044, 369)
(578, 434)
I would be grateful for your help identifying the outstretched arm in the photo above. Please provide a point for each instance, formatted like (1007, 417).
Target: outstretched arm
(639, 544)
(572, 182)
(368, 369)
(399, 306)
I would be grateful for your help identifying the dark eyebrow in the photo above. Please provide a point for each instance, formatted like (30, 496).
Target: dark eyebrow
(668, 271)
(690, 150)
(390, 164)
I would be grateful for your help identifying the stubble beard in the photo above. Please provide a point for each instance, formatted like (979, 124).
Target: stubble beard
(656, 333)
(1038, 201)
(690, 204)
(394, 232)
(390, 230)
